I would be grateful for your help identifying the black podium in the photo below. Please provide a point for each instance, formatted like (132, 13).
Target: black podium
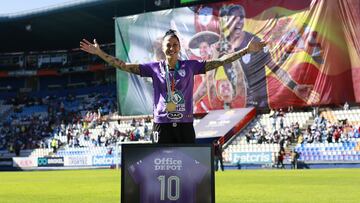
(154, 173)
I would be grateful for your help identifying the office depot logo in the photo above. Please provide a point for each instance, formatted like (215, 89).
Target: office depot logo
(167, 164)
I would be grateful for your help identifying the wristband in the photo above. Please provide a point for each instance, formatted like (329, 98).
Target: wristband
(291, 84)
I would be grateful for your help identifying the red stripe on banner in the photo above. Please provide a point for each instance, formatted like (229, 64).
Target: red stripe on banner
(356, 82)
(255, 7)
(332, 88)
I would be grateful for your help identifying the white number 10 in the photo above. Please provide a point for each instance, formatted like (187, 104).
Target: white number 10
(168, 190)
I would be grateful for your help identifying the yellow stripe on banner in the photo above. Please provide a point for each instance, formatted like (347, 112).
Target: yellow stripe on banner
(254, 24)
(268, 71)
(295, 59)
(220, 73)
(272, 13)
(300, 57)
(354, 57)
(319, 18)
(326, 23)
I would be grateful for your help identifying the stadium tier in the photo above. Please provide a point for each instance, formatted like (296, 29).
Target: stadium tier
(330, 152)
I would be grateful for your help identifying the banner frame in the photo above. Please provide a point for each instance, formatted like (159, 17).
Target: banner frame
(155, 147)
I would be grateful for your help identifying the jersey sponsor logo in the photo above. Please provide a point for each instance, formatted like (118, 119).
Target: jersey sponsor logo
(266, 49)
(162, 71)
(167, 164)
(246, 58)
(175, 115)
(182, 72)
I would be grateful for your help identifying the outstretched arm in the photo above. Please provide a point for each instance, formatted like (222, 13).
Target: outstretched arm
(200, 91)
(303, 91)
(253, 46)
(113, 61)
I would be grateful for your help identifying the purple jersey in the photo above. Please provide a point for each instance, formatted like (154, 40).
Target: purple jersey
(167, 176)
(184, 84)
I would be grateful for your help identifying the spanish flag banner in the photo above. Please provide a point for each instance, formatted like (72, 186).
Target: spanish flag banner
(311, 57)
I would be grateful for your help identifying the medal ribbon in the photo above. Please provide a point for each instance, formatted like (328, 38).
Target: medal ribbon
(170, 87)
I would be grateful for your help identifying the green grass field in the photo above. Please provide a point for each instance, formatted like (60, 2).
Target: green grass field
(232, 186)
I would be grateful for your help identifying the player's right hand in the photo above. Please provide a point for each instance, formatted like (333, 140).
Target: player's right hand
(88, 47)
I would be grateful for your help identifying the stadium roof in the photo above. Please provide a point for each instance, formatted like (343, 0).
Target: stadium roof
(63, 26)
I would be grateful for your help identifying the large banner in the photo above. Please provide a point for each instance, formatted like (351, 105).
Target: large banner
(311, 57)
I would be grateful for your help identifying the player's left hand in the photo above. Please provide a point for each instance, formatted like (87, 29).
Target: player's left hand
(303, 91)
(255, 46)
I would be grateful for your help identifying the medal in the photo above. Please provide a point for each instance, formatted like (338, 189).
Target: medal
(170, 106)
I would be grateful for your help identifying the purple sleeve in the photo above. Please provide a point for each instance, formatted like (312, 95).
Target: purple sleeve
(147, 69)
(198, 66)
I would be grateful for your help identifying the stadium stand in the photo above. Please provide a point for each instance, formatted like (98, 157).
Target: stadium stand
(77, 109)
(330, 137)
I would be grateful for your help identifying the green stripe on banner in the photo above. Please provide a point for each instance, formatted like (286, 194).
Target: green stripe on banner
(121, 46)
(134, 93)
(187, 1)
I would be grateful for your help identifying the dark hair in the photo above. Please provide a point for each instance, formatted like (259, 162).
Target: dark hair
(171, 33)
(226, 10)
